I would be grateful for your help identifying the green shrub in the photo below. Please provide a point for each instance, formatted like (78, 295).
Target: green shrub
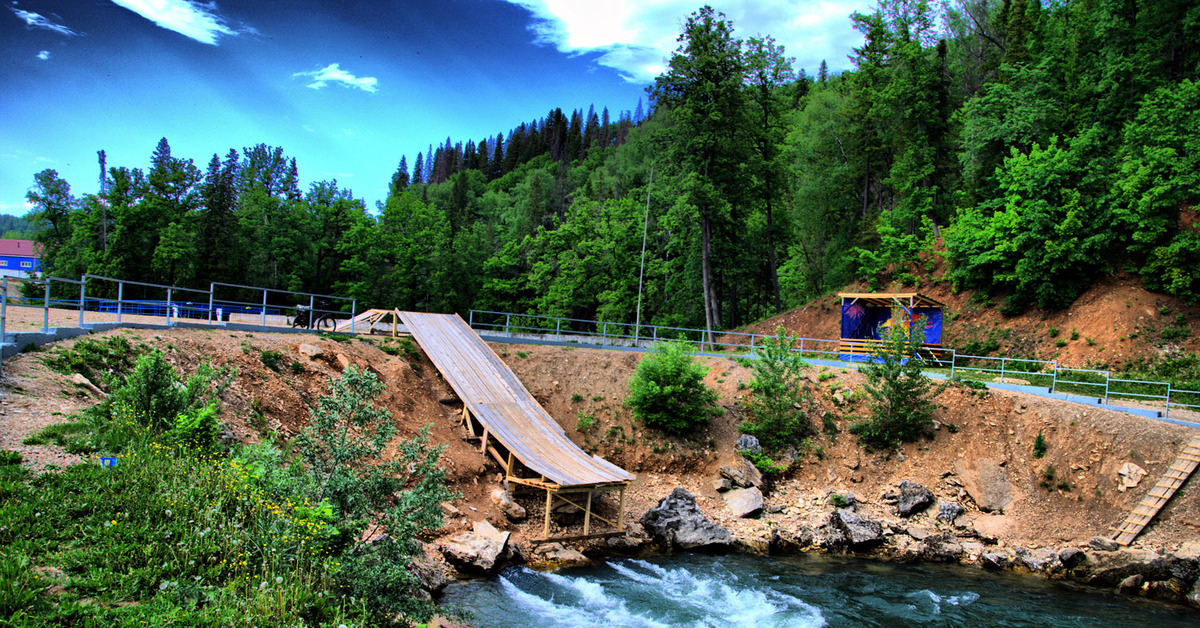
(153, 396)
(667, 391)
(576, 398)
(297, 367)
(1053, 332)
(342, 447)
(270, 359)
(586, 422)
(777, 395)
(1039, 445)
(901, 396)
(765, 464)
(197, 427)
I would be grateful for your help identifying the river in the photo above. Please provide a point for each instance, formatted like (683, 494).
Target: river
(809, 590)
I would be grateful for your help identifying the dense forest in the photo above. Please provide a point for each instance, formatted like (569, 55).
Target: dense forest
(1036, 145)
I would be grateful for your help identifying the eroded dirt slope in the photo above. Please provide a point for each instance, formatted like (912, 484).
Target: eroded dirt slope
(1085, 446)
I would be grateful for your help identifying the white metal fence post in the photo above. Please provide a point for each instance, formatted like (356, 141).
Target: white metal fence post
(46, 309)
(120, 299)
(210, 305)
(82, 298)
(264, 308)
(168, 307)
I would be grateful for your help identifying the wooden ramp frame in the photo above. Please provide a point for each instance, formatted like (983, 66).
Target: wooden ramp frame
(365, 322)
(1172, 479)
(512, 426)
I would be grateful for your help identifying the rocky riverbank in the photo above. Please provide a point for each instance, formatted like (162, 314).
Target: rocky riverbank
(906, 525)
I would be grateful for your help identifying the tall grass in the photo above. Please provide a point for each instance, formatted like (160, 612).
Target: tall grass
(175, 536)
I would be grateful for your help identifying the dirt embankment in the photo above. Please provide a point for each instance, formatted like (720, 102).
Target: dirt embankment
(983, 447)
(1114, 321)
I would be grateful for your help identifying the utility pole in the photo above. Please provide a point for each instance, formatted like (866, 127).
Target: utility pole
(103, 199)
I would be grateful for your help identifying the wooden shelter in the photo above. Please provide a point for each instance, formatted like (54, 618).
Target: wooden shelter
(512, 426)
(863, 314)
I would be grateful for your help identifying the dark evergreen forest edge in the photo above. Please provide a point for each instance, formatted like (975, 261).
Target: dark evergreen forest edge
(1037, 146)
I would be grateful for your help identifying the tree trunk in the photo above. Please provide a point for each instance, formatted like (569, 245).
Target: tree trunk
(706, 280)
(771, 255)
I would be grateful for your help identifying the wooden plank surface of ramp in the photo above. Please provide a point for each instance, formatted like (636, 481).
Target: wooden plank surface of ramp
(1163, 490)
(508, 413)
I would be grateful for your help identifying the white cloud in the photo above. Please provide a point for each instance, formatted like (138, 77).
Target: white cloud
(334, 73)
(197, 20)
(43, 55)
(636, 37)
(36, 20)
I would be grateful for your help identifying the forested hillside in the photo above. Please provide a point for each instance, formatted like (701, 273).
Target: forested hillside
(1046, 144)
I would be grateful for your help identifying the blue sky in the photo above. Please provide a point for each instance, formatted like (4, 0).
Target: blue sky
(346, 88)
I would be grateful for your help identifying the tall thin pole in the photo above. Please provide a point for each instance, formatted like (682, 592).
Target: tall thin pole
(642, 272)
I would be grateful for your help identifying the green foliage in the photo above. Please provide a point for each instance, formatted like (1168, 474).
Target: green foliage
(1039, 445)
(778, 395)
(576, 398)
(765, 464)
(197, 428)
(901, 396)
(586, 422)
(153, 396)
(270, 359)
(667, 390)
(342, 446)
(100, 360)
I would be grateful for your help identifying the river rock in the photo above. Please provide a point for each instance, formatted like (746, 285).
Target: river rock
(511, 509)
(749, 443)
(564, 555)
(311, 352)
(721, 484)
(1103, 544)
(995, 561)
(986, 482)
(677, 521)
(844, 529)
(941, 547)
(913, 498)
(1193, 597)
(625, 544)
(919, 534)
(949, 511)
(744, 502)
(1071, 557)
(1131, 585)
(991, 528)
(476, 552)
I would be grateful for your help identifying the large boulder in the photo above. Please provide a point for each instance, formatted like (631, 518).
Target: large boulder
(744, 502)
(941, 547)
(844, 529)
(749, 443)
(677, 522)
(913, 499)
(986, 482)
(511, 509)
(477, 552)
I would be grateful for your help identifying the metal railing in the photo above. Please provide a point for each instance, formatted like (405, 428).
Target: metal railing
(163, 301)
(1093, 385)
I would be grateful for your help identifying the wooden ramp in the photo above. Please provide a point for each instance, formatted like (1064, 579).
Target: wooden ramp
(510, 424)
(370, 321)
(1172, 479)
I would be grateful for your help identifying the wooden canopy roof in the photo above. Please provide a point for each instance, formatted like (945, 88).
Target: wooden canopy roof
(887, 299)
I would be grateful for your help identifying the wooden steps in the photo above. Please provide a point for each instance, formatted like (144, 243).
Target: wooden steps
(367, 322)
(1163, 490)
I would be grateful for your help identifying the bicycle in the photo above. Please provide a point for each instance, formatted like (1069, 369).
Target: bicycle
(323, 321)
